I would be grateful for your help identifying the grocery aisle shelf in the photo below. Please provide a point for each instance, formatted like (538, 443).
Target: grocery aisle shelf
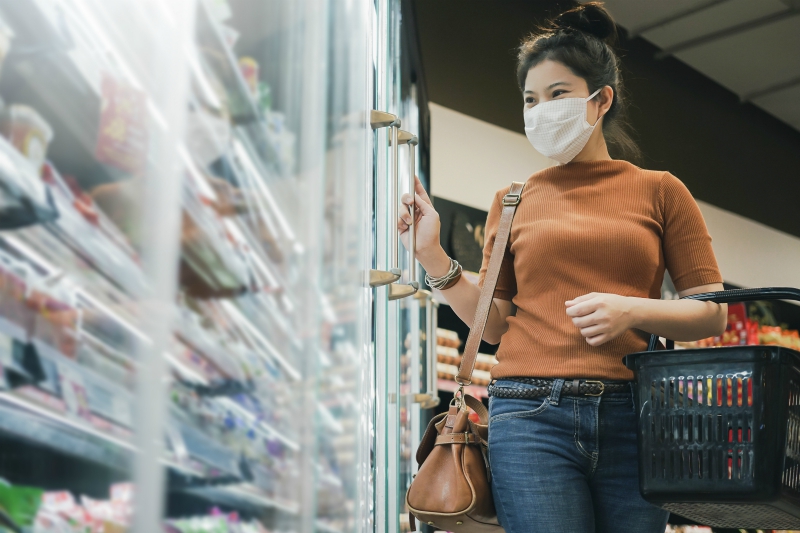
(115, 402)
(239, 494)
(261, 340)
(230, 74)
(266, 428)
(86, 87)
(325, 528)
(24, 419)
(328, 420)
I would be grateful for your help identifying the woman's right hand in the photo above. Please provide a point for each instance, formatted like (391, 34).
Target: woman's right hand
(426, 223)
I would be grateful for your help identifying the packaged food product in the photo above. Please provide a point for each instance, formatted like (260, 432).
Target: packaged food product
(55, 320)
(15, 314)
(264, 96)
(6, 34)
(31, 134)
(249, 68)
(123, 134)
(20, 503)
(220, 10)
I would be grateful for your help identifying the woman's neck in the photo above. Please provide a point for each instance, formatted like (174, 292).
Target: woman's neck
(596, 149)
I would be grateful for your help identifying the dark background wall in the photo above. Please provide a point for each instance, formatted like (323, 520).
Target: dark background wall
(731, 155)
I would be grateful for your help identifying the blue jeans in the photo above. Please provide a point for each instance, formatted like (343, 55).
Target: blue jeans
(568, 464)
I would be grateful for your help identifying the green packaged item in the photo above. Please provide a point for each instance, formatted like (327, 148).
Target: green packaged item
(264, 96)
(21, 503)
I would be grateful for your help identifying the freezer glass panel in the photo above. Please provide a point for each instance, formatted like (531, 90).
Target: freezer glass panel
(193, 203)
(91, 127)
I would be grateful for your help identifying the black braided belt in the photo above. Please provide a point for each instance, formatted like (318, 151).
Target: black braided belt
(573, 387)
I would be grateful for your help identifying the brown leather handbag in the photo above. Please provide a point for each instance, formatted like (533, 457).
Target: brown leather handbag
(451, 489)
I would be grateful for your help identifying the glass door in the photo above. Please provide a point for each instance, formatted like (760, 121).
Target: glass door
(182, 308)
(401, 310)
(91, 127)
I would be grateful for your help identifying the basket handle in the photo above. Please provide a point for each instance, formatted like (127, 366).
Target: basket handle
(735, 295)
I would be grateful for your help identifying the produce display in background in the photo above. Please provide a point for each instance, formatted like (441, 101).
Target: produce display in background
(448, 359)
(751, 324)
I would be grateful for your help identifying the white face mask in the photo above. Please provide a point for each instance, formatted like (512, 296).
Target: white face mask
(558, 128)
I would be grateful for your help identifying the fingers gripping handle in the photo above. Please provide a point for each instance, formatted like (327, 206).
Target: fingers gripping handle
(510, 202)
(738, 295)
(399, 291)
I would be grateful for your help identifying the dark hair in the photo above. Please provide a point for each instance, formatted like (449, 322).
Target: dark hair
(581, 39)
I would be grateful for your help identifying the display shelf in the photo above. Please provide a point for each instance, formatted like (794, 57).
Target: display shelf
(242, 496)
(265, 428)
(322, 527)
(22, 418)
(106, 398)
(87, 103)
(34, 70)
(269, 351)
(219, 57)
(328, 420)
(200, 446)
(66, 62)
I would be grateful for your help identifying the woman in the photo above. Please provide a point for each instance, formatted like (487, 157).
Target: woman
(579, 289)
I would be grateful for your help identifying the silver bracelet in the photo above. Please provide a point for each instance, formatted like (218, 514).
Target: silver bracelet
(438, 283)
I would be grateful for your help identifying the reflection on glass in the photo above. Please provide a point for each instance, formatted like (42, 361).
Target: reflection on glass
(187, 209)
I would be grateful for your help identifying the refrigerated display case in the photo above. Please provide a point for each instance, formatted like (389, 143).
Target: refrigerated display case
(208, 322)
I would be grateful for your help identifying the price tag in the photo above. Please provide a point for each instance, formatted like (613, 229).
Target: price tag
(73, 391)
(6, 351)
(6, 358)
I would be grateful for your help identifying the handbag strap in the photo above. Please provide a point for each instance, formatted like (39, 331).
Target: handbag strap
(510, 202)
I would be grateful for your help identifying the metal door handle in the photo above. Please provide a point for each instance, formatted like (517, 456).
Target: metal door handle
(377, 278)
(397, 290)
(430, 397)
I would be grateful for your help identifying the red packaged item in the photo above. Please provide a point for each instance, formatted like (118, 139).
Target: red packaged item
(30, 134)
(55, 322)
(15, 314)
(122, 136)
(736, 330)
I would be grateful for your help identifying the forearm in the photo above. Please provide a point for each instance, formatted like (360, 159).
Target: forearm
(463, 297)
(679, 320)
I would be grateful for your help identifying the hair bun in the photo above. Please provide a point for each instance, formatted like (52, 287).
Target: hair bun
(591, 18)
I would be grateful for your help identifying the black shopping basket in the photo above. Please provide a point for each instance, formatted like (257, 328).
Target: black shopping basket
(719, 428)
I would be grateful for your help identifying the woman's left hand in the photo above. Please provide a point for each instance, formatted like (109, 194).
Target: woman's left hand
(601, 317)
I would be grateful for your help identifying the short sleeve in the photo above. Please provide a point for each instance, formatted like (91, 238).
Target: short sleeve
(688, 254)
(506, 287)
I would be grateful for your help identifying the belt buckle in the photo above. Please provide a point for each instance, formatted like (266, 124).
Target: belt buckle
(602, 387)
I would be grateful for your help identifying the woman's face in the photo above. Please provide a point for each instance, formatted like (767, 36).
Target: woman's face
(551, 80)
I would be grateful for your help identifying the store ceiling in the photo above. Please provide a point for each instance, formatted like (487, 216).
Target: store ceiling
(751, 47)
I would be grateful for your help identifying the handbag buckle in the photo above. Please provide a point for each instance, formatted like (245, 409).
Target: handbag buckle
(602, 387)
(458, 397)
(511, 199)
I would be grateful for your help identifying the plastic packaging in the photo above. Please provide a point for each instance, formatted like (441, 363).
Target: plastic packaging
(20, 503)
(31, 134)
